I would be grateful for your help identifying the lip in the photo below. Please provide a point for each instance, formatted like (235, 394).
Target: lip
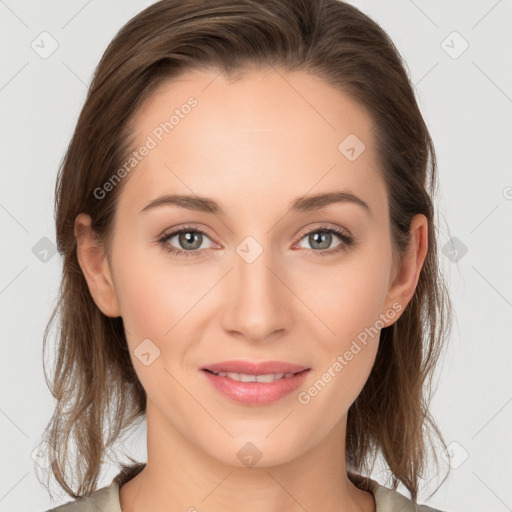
(255, 368)
(255, 393)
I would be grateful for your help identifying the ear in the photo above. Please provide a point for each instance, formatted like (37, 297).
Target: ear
(93, 261)
(407, 272)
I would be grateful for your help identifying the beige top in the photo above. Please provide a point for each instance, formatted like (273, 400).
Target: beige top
(106, 499)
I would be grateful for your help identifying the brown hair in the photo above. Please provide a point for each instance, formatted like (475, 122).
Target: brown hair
(97, 390)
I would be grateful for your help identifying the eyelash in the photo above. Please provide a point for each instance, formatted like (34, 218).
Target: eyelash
(348, 241)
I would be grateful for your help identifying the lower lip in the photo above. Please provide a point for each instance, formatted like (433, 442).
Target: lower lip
(256, 393)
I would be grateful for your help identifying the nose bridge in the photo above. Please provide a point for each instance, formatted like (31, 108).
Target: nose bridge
(256, 297)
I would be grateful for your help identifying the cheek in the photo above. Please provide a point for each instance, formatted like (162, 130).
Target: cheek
(348, 297)
(350, 304)
(153, 298)
(143, 292)
(142, 307)
(362, 290)
(152, 291)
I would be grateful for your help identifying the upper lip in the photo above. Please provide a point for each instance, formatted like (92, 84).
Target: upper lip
(255, 368)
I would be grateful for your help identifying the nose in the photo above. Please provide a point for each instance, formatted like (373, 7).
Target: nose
(258, 302)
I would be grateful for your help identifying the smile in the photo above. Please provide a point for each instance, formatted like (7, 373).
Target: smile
(255, 390)
(244, 377)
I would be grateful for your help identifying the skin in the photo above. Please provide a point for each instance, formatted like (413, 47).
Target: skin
(254, 145)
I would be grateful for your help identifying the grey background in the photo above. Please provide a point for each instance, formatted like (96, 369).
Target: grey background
(466, 99)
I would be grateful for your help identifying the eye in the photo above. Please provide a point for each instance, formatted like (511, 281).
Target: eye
(189, 241)
(321, 239)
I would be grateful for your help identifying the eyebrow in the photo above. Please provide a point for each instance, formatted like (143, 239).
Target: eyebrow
(301, 204)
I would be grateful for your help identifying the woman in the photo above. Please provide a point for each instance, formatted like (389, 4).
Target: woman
(246, 218)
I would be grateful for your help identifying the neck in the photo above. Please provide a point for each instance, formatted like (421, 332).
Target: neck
(182, 476)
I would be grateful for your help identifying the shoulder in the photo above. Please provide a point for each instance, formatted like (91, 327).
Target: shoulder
(104, 499)
(388, 500)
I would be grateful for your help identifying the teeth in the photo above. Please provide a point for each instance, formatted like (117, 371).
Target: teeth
(244, 377)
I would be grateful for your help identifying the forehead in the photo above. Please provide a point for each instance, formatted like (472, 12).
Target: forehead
(269, 133)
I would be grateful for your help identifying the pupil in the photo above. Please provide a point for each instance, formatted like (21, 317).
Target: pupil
(187, 238)
(325, 239)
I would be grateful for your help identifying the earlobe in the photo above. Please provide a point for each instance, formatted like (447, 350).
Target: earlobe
(407, 274)
(95, 267)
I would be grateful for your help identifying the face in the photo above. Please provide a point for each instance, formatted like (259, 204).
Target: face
(271, 274)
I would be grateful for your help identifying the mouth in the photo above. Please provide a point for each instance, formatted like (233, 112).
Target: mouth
(247, 377)
(255, 383)
(255, 368)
